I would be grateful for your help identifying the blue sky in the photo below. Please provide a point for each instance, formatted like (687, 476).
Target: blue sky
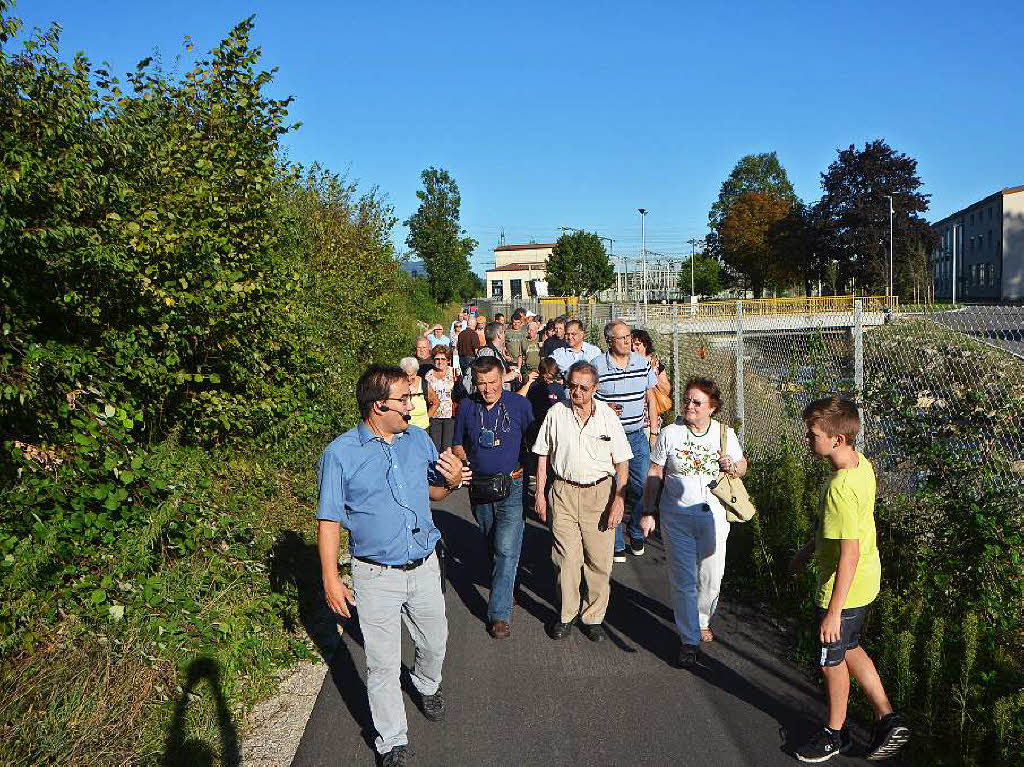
(576, 114)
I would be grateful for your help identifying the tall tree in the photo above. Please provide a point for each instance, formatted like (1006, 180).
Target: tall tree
(855, 210)
(579, 266)
(746, 239)
(760, 174)
(437, 237)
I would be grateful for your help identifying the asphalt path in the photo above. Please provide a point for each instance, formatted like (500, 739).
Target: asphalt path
(529, 700)
(999, 326)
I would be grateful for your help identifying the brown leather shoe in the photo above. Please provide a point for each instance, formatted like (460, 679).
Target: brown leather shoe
(500, 630)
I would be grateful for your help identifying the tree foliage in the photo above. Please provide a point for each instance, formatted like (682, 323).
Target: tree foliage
(437, 237)
(747, 240)
(709, 277)
(748, 252)
(166, 279)
(579, 265)
(855, 210)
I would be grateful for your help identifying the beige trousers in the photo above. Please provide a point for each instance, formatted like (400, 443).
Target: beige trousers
(580, 547)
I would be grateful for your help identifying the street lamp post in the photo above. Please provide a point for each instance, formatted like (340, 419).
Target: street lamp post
(643, 251)
(892, 286)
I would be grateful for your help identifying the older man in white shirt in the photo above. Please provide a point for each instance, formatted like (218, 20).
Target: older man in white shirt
(579, 449)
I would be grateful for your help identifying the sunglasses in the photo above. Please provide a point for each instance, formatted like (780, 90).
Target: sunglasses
(690, 401)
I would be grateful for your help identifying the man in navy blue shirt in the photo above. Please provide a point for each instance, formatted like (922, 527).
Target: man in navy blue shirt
(489, 429)
(377, 481)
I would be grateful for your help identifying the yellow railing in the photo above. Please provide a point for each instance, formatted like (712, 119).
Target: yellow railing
(769, 307)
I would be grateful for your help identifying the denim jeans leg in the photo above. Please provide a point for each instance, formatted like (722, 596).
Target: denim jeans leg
(638, 466)
(681, 533)
(505, 539)
(380, 595)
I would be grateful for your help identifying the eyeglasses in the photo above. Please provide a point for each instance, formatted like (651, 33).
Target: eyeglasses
(619, 338)
(690, 401)
(580, 387)
(404, 400)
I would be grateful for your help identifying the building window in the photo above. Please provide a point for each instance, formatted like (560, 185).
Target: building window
(515, 289)
(497, 289)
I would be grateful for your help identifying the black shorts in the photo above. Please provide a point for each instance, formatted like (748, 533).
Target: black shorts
(851, 623)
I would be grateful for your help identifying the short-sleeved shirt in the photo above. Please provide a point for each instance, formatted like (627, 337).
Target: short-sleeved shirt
(379, 493)
(531, 350)
(847, 511)
(566, 357)
(691, 463)
(582, 452)
(468, 343)
(509, 419)
(514, 342)
(626, 387)
(442, 341)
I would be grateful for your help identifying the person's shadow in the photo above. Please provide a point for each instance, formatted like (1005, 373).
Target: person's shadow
(183, 751)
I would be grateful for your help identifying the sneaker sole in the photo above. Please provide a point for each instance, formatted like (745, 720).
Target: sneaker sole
(816, 759)
(618, 557)
(637, 552)
(894, 740)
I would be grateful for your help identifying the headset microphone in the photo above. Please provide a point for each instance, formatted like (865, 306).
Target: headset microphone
(386, 409)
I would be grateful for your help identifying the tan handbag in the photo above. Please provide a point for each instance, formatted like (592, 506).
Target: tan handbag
(663, 401)
(731, 490)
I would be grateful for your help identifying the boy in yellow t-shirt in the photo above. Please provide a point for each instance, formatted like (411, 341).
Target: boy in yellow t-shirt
(849, 572)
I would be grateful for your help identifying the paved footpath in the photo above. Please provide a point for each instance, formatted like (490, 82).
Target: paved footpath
(530, 700)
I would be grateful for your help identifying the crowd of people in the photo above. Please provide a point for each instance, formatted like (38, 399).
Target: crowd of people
(537, 421)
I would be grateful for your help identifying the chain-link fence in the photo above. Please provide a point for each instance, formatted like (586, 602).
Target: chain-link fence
(954, 378)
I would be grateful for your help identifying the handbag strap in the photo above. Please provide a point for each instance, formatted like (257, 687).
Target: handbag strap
(723, 430)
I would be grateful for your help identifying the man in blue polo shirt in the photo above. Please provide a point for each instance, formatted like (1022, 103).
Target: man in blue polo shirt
(377, 481)
(577, 350)
(626, 382)
(489, 430)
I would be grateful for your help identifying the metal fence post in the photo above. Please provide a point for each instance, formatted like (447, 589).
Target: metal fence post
(636, 313)
(675, 353)
(858, 363)
(740, 404)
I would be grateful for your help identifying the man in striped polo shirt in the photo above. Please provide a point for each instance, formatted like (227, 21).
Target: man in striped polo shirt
(626, 382)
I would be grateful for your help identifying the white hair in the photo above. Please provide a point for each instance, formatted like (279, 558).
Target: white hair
(410, 365)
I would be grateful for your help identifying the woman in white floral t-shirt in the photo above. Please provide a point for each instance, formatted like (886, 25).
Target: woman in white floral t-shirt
(685, 460)
(441, 381)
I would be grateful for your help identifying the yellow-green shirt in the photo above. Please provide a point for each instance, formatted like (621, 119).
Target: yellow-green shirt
(847, 511)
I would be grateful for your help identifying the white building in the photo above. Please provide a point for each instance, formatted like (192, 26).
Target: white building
(519, 271)
(988, 239)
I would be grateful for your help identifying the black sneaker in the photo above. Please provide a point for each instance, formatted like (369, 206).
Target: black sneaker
(687, 657)
(619, 555)
(433, 706)
(824, 744)
(636, 547)
(890, 736)
(396, 757)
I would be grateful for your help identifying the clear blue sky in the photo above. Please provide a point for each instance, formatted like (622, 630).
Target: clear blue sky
(576, 114)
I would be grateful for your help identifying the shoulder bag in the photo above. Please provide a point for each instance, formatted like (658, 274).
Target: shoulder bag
(731, 490)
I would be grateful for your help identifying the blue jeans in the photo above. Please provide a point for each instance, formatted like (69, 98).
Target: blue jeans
(690, 539)
(638, 466)
(502, 522)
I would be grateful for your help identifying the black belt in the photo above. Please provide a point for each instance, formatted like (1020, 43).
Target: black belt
(411, 565)
(582, 484)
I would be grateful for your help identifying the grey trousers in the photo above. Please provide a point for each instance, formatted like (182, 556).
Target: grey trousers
(385, 599)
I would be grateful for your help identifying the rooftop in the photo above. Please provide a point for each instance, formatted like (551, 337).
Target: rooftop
(531, 246)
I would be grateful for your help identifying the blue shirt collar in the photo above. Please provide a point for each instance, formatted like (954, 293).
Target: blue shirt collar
(366, 434)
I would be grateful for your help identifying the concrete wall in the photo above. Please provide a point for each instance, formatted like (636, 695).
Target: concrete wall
(538, 255)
